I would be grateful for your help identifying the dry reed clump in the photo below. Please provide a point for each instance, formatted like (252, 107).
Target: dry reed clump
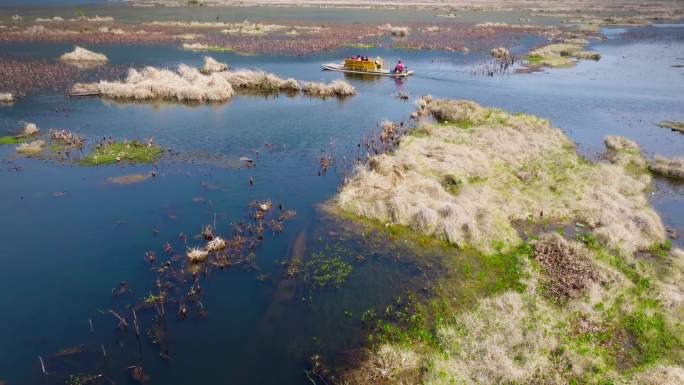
(205, 85)
(671, 168)
(188, 84)
(567, 269)
(80, 54)
(468, 181)
(506, 339)
(31, 148)
(263, 81)
(660, 375)
(216, 244)
(30, 129)
(338, 88)
(500, 53)
(624, 152)
(196, 255)
(260, 81)
(211, 66)
(6, 97)
(387, 364)
(397, 31)
(67, 138)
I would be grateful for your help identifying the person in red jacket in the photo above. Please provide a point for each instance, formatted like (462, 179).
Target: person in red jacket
(400, 67)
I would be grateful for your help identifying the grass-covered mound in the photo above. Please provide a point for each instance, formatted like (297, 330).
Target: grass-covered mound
(123, 152)
(470, 176)
(601, 304)
(560, 55)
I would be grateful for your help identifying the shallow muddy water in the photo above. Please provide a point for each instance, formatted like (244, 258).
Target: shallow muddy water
(68, 236)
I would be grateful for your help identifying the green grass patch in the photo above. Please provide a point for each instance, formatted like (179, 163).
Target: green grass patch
(534, 59)
(12, 140)
(405, 48)
(131, 152)
(360, 45)
(661, 250)
(652, 337)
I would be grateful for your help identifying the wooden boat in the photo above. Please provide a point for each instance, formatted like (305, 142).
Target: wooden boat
(370, 66)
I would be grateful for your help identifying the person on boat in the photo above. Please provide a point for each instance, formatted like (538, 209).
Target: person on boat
(399, 68)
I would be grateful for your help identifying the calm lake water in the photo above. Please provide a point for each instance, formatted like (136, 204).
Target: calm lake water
(68, 237)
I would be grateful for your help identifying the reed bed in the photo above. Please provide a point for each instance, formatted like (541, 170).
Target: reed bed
(291, 38)
(187, 84)
(213, 83)
(21, 77)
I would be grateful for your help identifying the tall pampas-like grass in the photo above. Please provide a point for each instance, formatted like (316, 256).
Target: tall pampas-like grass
(213, 82)
(260, 81)
(338, 88)
(187, 84)
(80, 54)
(31, 148)
(211, 66)
(30, 129)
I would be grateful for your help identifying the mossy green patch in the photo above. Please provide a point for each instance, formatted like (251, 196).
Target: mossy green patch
(12, 140)
(130, 152)
(323, 270)
(534, 59)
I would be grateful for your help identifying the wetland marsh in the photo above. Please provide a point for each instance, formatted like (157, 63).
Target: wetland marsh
(170, 239)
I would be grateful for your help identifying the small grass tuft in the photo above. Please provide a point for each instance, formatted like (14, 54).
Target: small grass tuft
(130, 152)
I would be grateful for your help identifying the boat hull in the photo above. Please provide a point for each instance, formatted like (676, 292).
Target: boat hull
(340, 68)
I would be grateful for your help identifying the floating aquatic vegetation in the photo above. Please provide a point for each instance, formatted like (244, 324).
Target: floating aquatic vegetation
(128, 179)
(80, 54)
(485, 150)
(31, 148)
(109, 152)
(12, 139)
(322, 270)
(211, 66)
(671, 168)
(674, 126)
